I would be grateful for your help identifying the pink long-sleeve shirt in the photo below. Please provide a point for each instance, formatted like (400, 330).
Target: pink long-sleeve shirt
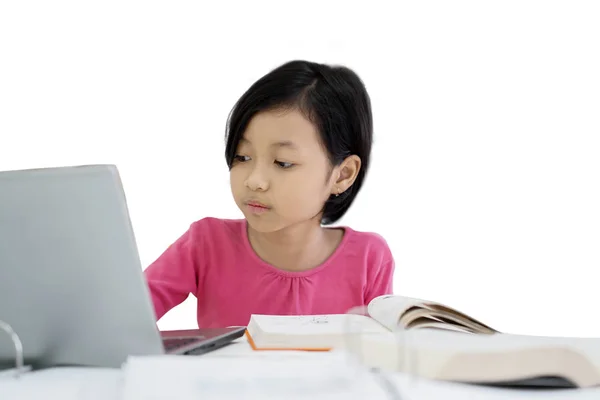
(215, 262)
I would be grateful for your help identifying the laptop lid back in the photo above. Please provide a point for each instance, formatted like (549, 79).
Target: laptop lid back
(71, 282)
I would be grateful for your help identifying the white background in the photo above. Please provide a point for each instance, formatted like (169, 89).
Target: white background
(485, 179)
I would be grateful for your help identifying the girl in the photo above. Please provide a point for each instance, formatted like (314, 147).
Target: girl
(298, 148)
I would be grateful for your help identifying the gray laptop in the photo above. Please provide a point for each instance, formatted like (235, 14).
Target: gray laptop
(71, 282)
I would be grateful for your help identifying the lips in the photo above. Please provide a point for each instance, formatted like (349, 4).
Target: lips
(256, 204)
(257, 208)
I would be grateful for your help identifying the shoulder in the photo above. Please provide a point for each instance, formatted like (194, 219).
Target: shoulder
(213, 224)
(372, 251)
(217, 231)
(370, 245)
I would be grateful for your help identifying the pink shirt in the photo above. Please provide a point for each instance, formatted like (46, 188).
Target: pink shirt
(214, 261)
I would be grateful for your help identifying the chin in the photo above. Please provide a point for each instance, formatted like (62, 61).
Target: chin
(265, 223)
(262, 225)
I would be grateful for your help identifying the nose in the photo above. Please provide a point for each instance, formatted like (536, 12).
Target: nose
(257, 181)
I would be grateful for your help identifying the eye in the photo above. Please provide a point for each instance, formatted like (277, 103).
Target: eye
(284, 165)
(239, 158)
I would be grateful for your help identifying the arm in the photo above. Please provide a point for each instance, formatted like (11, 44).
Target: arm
(174, 275)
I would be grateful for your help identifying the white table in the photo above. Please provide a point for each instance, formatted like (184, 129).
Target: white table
(106, 384)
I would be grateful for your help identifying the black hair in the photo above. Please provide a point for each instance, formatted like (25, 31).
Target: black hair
(333, 98)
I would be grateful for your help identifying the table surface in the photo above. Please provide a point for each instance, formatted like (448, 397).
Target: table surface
(106, 384)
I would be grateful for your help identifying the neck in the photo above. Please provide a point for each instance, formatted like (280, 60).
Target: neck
(295, 248)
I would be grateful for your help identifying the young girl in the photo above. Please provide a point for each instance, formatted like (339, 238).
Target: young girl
(298, 148)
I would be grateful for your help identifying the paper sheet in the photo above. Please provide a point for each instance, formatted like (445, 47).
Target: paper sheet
(274, 375)
(11, 373)
(64, 384)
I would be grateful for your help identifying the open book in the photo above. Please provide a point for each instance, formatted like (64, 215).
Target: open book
(383, 315)
(434, 341)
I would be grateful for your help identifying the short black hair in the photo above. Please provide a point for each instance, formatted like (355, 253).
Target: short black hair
(333, 98)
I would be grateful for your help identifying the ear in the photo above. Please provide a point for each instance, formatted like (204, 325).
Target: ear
(345, 174)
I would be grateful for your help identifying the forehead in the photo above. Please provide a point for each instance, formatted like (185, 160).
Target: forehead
(289, 128)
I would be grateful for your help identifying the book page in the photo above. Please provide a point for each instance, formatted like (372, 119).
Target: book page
(335, 324)
(445, 317)
(401, 312)
(388, 309)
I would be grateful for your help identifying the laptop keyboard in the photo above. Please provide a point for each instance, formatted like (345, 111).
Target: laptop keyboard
(174, 343)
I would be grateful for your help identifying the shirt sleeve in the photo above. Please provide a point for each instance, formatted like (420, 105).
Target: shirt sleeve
(174, 275)
(382, 281)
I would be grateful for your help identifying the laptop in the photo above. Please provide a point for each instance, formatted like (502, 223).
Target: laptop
(71, 282)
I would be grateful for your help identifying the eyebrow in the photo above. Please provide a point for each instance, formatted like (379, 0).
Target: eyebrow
(284, 143)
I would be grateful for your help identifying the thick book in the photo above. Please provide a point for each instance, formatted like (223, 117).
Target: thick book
(434, 341)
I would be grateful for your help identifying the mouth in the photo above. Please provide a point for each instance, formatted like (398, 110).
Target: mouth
(256, 207)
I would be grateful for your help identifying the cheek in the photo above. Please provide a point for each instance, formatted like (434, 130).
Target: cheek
(302, 193)
(236, 181)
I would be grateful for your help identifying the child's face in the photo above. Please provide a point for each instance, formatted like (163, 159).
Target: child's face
(282, 175)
